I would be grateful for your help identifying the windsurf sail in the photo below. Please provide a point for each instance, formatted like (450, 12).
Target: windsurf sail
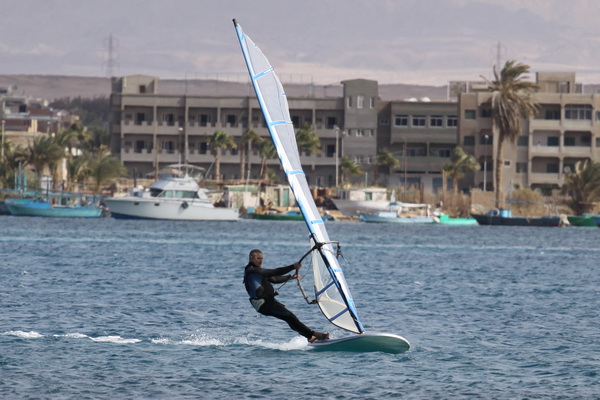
(331, 290)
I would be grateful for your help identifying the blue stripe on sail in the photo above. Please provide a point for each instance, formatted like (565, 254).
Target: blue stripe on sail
(261, 74)
(320, 292)
(336, 316)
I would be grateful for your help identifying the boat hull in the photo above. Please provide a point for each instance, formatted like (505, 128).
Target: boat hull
(353, 207)
(44, 209)
(582, 221)
(445, 220)
(140, 208)
(392, 217)
(484, 219)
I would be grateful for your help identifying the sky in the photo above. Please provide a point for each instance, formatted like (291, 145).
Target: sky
(426, 42)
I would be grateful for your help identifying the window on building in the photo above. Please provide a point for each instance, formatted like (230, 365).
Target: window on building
(296, 120)
(203, 147)
(204, 119)
(521, 168)
(470, 114)
(419, 121)
(578, 111)
(436, 120)
(330, 150)
(142, 89)
(552, 141)
(349, 102)
(168, 145)
(569, 140)
(523, 140)
(360, 101)
(169, 118)
(552, 168)
(469, 141)
(139, 118)
(331, 122)
(451, 120)
(139, 146)
(384, 122)
(553, 115)
(485, 112)
(483, 140)
(445, 153)
(401, 120)
(231, 120)
(359, 132)
(372, 102)
(598, 143)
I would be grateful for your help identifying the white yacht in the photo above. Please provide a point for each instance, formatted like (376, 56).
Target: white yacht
(175, 198)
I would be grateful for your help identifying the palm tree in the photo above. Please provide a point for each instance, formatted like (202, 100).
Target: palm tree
(583, 185)
(43, 152)
(267, 152)
(459, 163)
(9, 164)
(510, 103)
(103, 167)
(220, 140)
(245, 144)
(349, 167)
(384, 159)
(307, 140)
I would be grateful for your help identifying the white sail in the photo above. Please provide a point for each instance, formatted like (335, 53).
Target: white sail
(331, 290)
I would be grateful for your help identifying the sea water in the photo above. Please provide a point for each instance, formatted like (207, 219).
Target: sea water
(110, 309)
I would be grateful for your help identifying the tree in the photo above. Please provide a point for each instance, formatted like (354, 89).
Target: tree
(459, 163)
(103, 167)
(9, 164)
(245, 144)
(267, 152)
(220, 140)
(43, 152)
(510, 102)
(583, 186)
(349, 168)
(384, 159)
(307, 140)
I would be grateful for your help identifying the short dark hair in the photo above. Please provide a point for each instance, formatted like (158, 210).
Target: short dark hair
(255, 251)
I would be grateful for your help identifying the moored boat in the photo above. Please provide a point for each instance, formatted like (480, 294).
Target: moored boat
(446, 220)
(582, 220)
(40, 207)
(504, 217)
(173, 198)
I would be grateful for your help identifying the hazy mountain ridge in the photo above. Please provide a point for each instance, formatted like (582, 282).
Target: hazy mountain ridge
(51, 87)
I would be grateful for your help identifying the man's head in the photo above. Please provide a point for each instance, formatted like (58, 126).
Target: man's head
(256, 257)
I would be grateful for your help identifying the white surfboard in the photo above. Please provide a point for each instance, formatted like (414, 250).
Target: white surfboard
(367, 342)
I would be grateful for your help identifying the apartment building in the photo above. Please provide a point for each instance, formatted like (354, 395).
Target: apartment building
(150, 130)
(565, 130)
(421, 134)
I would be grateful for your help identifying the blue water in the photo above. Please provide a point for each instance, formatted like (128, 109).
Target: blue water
(116, 309)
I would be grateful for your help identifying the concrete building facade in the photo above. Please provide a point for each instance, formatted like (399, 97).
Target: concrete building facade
(565, 130)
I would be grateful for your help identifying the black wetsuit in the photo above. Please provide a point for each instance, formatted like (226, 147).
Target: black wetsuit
(258, 282)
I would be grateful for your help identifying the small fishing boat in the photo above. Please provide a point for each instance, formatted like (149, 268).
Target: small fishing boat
(400, 213)
(446, 220)
(504, 217)
(582, 220)
(46, 207)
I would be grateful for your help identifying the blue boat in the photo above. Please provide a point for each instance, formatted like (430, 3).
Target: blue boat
(39, 207)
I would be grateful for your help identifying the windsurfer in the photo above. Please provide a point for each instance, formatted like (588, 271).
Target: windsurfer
(258, 282)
